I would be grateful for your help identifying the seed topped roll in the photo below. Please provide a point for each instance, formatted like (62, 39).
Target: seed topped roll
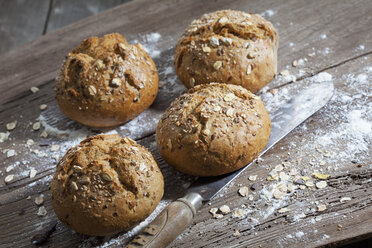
(228, 46)
(106, 185)
(213, 129)
(106, 81)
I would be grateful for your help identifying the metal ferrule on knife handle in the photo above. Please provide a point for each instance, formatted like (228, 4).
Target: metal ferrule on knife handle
(170, 223)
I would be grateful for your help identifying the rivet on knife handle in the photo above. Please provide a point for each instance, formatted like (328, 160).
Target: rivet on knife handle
(170, 223)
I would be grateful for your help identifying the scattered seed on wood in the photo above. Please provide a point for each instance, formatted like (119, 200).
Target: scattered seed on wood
(42, 211)
(54, 148)
(320, 176)
(345, 199)
(30, 142)
(44, 134)
(243, 191)
(39, 200)
(36, 126)
(274, 91)
(225, 209)
(33, 173)
(321, 184)
(43, 107)
(284, 73)
(238, 213)
(9, 178)
(10, 153)
(213, 210)
(34, 89)
(236, 233)
(321, 207)
(252, 178)
(10, 126)
(283, 210)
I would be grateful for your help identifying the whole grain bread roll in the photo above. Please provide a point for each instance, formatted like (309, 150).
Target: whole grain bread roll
(106, 81)
(228, 46)
(106, 185)
(213, 129)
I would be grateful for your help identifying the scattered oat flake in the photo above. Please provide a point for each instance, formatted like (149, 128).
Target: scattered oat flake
(225, 209)
(339, 227)
(283, 210)
(236, 233)
(321, 184)
(283, 176)
(238, 213)
(54, 148)
(252, 178)
(243, 191)
(42, 211)
(9, 178)
(30, 142)
(218, 216)
(39, 200)
(213, 210)
(309, 184)
(320, 176)
(278, 194)
(274, 91)
(33, 173)
(44, 134)
(345, 199)
(9, 168)
(279, 167)
(4, 136)
(295, 63)
(10, 126)
(43, 107)
(285, 73)
(34, 89)
(10, 153)
(36, 126)
(321, 207)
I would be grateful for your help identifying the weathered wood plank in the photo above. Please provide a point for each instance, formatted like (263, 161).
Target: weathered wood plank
(66, 12)
(215, 233)
(303, 29)
(21, 21)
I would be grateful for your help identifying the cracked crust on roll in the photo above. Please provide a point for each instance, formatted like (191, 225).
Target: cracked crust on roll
(105, 185)
(106, 81)
(213, 129)
(228, 46)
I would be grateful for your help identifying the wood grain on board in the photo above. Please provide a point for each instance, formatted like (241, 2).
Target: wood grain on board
(332, 31)
(26, 19)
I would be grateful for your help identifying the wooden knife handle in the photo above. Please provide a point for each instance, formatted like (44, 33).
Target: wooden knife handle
(170, 223)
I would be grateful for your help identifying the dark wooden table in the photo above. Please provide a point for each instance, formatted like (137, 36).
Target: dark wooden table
(319, 41)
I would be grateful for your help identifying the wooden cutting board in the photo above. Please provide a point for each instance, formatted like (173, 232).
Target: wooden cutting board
(330, 40)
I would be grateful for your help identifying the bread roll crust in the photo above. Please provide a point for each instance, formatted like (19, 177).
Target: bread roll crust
(106, 81)
(213, 129)
(228, 46)
(106, 185)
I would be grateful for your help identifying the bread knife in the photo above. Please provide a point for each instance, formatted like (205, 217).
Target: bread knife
(178, 215)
